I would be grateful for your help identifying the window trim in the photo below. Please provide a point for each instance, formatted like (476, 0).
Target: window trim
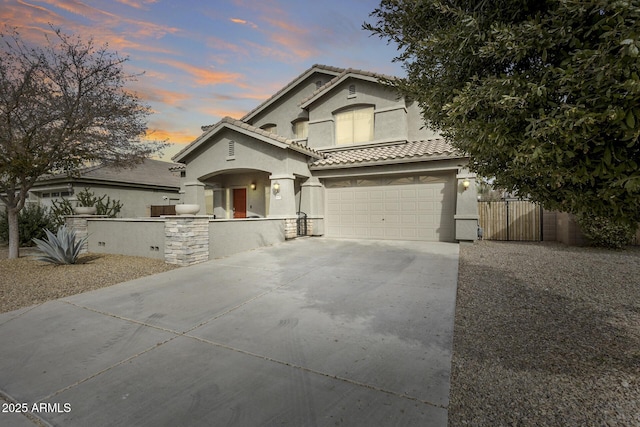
(296, 122)
(270, 127)
(353, 108)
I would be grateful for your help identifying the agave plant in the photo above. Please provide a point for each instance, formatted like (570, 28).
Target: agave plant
(60, 248)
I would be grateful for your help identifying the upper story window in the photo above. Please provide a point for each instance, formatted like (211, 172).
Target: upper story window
(354, 125)
(300, 129)
(270, 127)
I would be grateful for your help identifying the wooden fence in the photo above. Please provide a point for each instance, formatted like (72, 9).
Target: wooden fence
(158, 210)
(510, 220)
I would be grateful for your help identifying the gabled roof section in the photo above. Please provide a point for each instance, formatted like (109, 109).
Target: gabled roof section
(344, 75)
(325, 69)
(149, 173)
(247, 129)
(401, 152)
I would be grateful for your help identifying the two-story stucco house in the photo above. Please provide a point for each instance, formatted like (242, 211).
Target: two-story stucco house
(342, 148)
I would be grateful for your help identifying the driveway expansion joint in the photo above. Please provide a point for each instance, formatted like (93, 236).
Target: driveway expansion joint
(316, 372)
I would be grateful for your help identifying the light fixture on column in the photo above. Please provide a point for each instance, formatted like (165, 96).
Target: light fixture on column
(276, 187)
(466, 183)
(253, 186)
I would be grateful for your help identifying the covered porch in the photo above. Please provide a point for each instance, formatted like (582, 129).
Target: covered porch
(236, 171)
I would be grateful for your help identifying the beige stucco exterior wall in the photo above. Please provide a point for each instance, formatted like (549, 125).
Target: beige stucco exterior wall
(212, 157)
(390, 114)
(466, 217)
(568, 231)
(135, 202)
(286, 109)
(127, 237)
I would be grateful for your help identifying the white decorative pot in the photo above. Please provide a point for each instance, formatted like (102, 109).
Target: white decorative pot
(85, 210)
(187, 209)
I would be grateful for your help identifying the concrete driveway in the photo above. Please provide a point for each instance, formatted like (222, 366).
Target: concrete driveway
(311, 332)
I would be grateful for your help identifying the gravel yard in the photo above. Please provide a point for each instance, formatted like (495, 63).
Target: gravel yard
(26, 281)
(546, 335)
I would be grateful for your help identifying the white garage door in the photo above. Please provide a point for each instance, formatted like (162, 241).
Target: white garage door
(407, 208)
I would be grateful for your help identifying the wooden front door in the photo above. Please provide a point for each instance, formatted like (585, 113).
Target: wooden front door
(239, 202)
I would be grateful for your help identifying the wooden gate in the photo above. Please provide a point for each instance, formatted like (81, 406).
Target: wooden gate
(157, 210)
(511, 220)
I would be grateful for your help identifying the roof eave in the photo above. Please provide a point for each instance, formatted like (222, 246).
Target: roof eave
(262, 136)
(295, 82)
(332, 85)
(397, 161)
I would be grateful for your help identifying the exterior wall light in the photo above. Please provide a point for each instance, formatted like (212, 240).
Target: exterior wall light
(276, 187)
(253, 186)
(466, 183)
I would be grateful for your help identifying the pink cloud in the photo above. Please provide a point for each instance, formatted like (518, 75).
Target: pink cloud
(164, 96)
(292, 37)
(219, 113)
(202, 76)
(243, 22)
(220, 44)
(25, 15)
(171, 136)
(137, 4)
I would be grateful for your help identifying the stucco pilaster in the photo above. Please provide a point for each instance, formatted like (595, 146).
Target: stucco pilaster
(312, 200)
(282, 203)
(466, 216)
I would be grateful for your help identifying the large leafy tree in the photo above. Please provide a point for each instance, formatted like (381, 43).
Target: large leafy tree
(63, 105)
(544, 95)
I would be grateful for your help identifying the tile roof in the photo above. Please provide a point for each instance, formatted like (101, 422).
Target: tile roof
(399, 152)
(315, 67)
(150, 172)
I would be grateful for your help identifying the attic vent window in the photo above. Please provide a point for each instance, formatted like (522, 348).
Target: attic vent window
(352, 91)
(318, 84)
(232, 150)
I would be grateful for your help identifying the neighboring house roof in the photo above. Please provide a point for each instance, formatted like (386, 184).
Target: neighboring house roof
(402, 152)
(326, 69)
(150, 173)
(247, 129)
(344, 75)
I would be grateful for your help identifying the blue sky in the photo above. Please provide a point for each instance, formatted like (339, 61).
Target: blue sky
(204, 60)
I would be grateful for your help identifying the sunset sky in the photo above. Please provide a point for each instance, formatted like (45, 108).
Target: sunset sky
(204, 60)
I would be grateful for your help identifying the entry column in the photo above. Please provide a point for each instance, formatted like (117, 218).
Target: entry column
(282, 202)
(466, 216)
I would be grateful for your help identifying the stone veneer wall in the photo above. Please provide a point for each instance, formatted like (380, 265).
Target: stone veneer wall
(186, 239)
(290, 228)
(181, 240)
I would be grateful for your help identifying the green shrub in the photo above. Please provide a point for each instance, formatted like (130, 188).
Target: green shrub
(60, 248)
(32, 221)
(607, 232)
(59, 209)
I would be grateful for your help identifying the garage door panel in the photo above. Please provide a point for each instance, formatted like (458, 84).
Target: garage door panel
(419, 211)
(392, 219)
(409, 220)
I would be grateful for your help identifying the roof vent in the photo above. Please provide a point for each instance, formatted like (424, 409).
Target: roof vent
(318, 84)
(232, 150)
(352, 91)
